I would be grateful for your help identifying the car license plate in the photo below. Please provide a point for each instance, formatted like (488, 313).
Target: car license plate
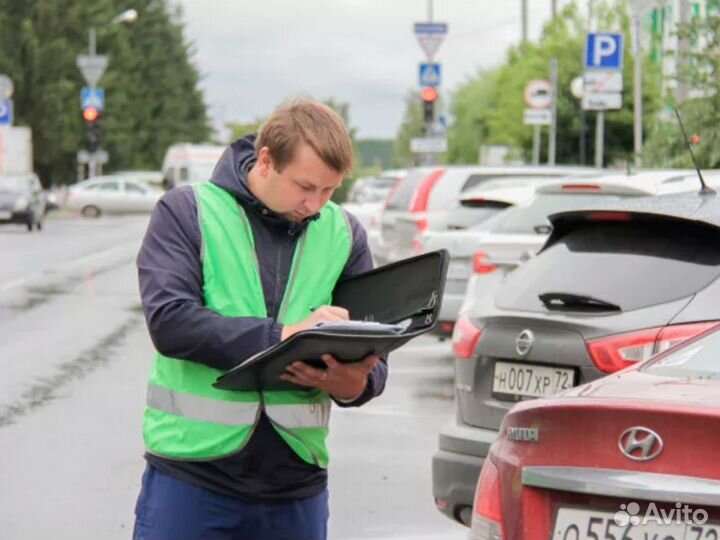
(4, 214)
(530, 380)
(459, 269)
(588, 524)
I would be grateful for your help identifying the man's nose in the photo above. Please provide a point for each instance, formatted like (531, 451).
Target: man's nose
(315, 202)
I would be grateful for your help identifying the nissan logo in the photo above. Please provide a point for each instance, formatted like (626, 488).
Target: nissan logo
(640, 444)
(524, 342)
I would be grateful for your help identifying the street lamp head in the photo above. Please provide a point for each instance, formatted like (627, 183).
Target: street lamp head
(128, 17)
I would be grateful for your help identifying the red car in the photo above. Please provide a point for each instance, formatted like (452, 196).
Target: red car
(632, 456)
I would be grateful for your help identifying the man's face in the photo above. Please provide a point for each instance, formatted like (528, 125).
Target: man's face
(302, 188)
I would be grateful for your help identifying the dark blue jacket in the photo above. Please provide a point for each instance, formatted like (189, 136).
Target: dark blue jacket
(171, 284)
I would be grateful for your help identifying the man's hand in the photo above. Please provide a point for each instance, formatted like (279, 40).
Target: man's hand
(342, 381)
(321, 314)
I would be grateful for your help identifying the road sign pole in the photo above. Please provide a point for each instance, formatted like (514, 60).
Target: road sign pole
(599, 138)
(637, 100)
(91, 40)
(552, 142)
(537, 134)
(583, 137)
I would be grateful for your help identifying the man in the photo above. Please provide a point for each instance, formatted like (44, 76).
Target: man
(227, 269)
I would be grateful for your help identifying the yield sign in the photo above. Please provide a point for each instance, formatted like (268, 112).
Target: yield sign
(430, 36)
(92, 67)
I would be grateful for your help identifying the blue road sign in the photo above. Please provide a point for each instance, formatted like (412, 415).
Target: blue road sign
(92, 97)
(604, 50)
(6, 112)
(429, 74)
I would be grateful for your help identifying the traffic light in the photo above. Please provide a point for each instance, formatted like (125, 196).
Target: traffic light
(429, 96)
(91, 116)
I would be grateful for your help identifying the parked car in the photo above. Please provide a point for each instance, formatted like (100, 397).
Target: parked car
(375, 189)
(111, 195)
(22, 201)
(483, 255)
(428, 197)
(641, 466)
(613, 285)
(153, 179)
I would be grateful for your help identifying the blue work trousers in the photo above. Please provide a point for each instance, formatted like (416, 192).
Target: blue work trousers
(169, 509)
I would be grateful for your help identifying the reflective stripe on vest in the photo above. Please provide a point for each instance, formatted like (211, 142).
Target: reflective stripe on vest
(236, 413)
(186, 417)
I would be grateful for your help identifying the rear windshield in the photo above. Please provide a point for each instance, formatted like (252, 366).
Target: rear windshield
(471, 215)
(629, 264)
(524, 219)
(403, 194)
(698, 359)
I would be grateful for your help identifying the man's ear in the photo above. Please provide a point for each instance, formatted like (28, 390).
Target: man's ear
(264, 161)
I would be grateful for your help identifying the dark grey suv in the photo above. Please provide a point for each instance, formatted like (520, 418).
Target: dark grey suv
(612, 286)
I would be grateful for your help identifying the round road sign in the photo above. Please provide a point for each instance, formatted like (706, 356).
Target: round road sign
(538, 94)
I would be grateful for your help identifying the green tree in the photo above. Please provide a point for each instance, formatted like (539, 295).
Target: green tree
(469, 109)
(151, 86)
(412, 126)
(700, 69)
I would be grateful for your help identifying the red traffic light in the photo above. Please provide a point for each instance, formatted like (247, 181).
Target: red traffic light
(90, 114)
(428, 94)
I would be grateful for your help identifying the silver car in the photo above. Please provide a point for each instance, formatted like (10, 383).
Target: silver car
(111, 195)
(22, 200)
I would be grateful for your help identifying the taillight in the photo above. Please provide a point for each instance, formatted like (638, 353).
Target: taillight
(480, 266)
(487, 509)
(581, 187)
(422, 193)
(609, 216)
(465, 338)
(614, 353)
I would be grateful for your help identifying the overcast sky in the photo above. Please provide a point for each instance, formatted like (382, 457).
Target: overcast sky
(253, 55)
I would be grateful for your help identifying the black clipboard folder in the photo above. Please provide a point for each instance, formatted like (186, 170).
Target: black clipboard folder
(408, 292)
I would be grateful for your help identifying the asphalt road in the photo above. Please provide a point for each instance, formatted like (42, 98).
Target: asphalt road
(74, 355)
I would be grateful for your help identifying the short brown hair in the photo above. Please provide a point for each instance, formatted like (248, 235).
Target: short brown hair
(311, 122)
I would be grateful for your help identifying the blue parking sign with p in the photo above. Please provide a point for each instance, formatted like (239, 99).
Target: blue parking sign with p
(604, 50)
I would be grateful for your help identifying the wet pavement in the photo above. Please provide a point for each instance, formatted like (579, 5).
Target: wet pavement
(74, 355)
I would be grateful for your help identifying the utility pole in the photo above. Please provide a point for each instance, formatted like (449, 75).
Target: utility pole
(552, 142)
(682, 90)
(524, 18)
(553, 8)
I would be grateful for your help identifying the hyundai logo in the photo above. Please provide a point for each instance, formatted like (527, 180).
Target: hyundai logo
(640, 444)
(524, 342)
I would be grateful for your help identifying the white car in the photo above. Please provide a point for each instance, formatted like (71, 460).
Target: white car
(111, 195)
(428, 199)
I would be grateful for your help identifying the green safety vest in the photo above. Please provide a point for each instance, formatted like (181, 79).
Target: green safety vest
(185, 417)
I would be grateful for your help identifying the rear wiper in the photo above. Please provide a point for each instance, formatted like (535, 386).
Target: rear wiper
(557, 300)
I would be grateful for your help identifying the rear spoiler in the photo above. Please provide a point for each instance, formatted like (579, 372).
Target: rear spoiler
(565, 222)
